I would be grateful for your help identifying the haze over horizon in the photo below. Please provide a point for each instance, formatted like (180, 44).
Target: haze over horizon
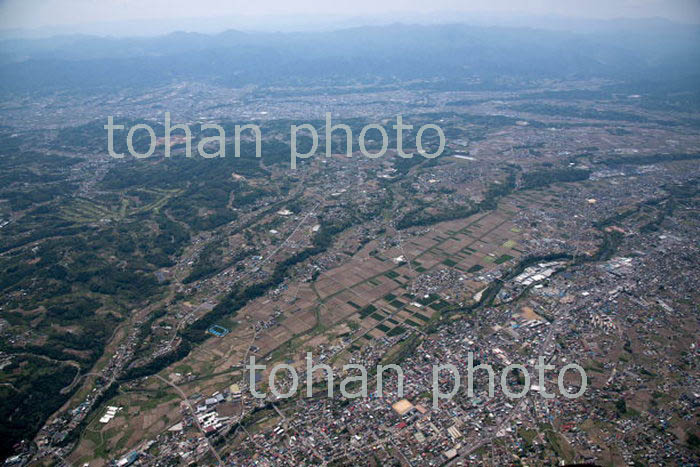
(127, 17)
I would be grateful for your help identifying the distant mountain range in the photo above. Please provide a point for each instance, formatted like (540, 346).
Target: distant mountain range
(455, 53)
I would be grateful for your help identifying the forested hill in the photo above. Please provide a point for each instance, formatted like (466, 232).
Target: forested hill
(377, 54)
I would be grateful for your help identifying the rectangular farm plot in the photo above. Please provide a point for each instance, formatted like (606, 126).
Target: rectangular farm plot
(508, 244)
(421, 243)
(403, 315)
(327, 286)
(409, 323)
(452, 246)
(430, 259)
(301, 321)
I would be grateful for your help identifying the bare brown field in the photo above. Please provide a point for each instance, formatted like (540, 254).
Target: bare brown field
(336, 296)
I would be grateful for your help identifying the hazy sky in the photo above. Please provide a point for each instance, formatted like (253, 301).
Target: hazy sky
(43, 13)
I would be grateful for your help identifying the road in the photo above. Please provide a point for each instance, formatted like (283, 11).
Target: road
(194, 416)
